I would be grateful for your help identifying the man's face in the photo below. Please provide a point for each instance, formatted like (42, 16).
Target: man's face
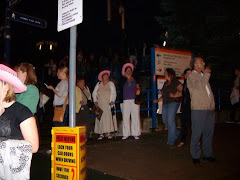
(200, 64)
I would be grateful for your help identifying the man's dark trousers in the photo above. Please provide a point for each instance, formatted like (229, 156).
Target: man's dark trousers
(202, 124)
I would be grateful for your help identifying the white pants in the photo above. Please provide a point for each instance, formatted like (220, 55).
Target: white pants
(130, 108)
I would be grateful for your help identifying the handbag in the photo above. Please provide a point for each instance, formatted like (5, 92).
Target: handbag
(89, 102)
(97, 111)
(234, 97)
(59, 112)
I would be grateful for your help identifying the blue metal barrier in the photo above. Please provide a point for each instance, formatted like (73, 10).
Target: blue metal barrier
(221, 96)
(148, 109)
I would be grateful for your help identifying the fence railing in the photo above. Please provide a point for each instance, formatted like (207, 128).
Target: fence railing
(222, 100)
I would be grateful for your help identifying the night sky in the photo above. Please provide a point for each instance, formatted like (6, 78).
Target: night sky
(212, 28)
(95, 34)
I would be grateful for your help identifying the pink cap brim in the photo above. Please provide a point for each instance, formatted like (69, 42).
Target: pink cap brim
(102, 73)
(10, 76)
(125, 66)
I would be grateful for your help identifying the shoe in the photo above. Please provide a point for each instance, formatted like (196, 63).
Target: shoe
(101, 137)
(49, 151)
(124, 137)
(209, 159)
(136, 137)
(196, 161)
(109, 136)
(172, 146)
(181, 144)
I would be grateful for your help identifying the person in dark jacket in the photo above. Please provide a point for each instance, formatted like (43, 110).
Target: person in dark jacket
(185, 109)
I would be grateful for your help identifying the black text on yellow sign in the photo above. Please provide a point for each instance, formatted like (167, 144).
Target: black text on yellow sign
(68, 153)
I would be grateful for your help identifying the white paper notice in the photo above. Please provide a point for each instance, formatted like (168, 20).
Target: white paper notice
(69, 13)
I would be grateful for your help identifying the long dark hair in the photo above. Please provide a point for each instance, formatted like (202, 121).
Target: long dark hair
(171, 73)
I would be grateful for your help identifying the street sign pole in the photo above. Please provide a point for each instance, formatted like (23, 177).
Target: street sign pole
(7, 35)
(72, 76)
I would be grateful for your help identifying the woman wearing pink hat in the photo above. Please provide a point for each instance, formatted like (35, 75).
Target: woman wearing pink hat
(16, 120)
(104, 96)
(129, 107)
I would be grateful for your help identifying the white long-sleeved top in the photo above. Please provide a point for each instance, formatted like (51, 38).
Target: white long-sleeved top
(113, 94)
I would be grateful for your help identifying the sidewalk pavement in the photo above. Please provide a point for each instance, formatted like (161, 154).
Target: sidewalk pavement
(150, 158)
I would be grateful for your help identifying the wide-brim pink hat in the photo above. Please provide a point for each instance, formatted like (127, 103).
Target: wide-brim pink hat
(102, 73)
(125, 66)
(10, 76)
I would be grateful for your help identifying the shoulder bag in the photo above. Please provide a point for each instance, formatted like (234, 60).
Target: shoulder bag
(89, 102)
(59, 112)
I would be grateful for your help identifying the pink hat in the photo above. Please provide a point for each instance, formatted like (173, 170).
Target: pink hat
(10, 76)
(102, 73)
(125, 66)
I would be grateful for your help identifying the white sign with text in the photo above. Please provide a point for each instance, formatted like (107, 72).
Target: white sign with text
(177, 60)
(69, 13)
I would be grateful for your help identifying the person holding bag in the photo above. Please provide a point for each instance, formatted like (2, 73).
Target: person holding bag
(60, 95)
(83, 97)
(104, 96)
(235, 98)
(18, 128)
(130, 99)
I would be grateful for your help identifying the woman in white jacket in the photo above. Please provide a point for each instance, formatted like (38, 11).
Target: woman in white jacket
(104, 96)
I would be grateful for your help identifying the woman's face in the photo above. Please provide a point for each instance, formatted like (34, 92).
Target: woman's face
(61, 75)
(21, 75)
(128, 72)
(105, 77)
(81, 84)
(167, 77)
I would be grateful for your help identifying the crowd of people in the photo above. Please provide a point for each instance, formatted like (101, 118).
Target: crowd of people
(194, 95)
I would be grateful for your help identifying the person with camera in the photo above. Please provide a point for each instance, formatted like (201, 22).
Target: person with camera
(202, 110)
(130, 103)
(104, 96)
(83, 105)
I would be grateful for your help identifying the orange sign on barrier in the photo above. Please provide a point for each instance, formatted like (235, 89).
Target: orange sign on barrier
(68, 153)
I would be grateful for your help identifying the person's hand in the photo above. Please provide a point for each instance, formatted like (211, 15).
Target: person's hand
(155, 101)
(81, 102)
(50, 87)
(207, 70)
(111, 103)
(171, 95)
(96, 103)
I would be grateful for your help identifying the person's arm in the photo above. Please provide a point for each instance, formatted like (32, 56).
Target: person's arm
(30, 133)
(78, 99)
(54, 90)
(94, 94)
(62, 88)
(113, 93)
(178, 93)
(90, 97)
